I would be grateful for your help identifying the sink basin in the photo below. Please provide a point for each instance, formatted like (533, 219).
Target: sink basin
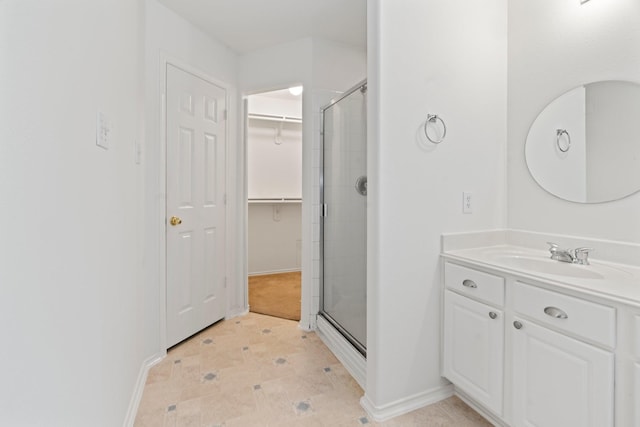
(549, 266)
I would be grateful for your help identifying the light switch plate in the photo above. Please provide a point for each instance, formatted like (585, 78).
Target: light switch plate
(103, 130)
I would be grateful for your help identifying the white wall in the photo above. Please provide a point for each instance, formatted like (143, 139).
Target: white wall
(555, 46)
(70, 259)
(266, 103)
(274, 170)
(445, 57)
(169, 36)
(274, 160)
(274, 237)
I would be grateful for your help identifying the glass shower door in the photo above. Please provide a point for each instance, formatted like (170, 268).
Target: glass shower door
(344, 225)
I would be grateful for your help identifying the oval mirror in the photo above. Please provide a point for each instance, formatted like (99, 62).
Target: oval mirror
(585, 145)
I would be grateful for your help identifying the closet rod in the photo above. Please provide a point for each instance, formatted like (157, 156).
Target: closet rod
(275, 118)
(275, 200)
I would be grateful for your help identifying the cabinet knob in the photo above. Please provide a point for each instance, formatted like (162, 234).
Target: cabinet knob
(493, 314)
(517, 325)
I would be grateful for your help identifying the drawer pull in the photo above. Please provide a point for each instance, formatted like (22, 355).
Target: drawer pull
(469, 283)
(493, 314)
(556, 312)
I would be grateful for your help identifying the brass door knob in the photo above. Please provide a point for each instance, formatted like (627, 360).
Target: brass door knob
(175, 221)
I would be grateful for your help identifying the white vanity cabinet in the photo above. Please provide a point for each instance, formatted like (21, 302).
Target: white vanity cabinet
(559, 381)
(473, 343)
(636, 394)
(473, 348)
(527, 354)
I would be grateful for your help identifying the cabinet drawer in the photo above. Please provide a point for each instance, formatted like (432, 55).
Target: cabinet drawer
(592, 321)
(474, 283)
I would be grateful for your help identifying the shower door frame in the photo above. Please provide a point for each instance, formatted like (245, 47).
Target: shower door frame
(362, 85)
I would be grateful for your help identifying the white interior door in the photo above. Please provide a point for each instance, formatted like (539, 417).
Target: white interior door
(196, 140)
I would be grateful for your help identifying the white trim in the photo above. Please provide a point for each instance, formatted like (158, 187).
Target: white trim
(266, 273)
(239, 313)
(351, 358)
(405, 405)
(138, 389)
(165, 60)
(306, 328)
(311, 322)
(479, 408)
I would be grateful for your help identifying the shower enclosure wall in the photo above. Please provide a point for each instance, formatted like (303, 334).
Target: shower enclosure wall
(344, 221)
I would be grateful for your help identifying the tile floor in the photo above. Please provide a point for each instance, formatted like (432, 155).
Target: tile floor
(259, 370)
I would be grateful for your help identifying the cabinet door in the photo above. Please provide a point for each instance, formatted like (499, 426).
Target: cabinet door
(559, 381)
(637, 394)
(473, 349)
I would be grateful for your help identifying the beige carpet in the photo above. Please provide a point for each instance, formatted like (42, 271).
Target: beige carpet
(276, 295)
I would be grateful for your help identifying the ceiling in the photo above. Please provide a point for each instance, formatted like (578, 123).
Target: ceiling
(248, 25)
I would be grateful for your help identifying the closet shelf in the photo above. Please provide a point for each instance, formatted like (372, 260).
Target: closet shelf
(275, 118)
(276, 200)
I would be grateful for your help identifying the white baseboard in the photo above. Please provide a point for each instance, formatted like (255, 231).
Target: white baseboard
(138, 389)
(238, 313)
(479, 409)
(351, 359)
(405, 405)
(265, 273)
(304, 327)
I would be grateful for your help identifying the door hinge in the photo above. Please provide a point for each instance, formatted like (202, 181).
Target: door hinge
(324, 211)
(224, 198)
(225, 282)
(224, 114)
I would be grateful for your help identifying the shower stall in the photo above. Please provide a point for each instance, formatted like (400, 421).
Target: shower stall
(343, 189)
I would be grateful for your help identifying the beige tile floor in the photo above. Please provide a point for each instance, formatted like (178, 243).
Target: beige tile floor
(259, 370)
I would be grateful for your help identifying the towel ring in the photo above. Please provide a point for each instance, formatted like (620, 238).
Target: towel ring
(434, 118)
(559, 133)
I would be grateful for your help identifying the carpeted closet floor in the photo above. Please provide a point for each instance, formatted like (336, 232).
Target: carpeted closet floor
(276, 295)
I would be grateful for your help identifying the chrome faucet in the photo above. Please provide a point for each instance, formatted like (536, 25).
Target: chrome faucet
(575, 256)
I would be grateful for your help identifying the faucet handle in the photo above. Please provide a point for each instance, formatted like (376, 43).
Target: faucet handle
(553, 247)
(581, 255)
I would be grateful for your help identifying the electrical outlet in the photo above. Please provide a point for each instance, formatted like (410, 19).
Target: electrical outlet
(467, 202)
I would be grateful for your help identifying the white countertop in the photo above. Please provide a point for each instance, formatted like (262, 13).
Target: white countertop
(603, 279)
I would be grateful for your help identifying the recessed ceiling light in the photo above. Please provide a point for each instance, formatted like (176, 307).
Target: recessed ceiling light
(296, 90)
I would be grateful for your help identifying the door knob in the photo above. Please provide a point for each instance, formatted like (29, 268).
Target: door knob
(175, 220)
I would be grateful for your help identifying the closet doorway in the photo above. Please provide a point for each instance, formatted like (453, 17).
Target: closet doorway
(274, 189)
